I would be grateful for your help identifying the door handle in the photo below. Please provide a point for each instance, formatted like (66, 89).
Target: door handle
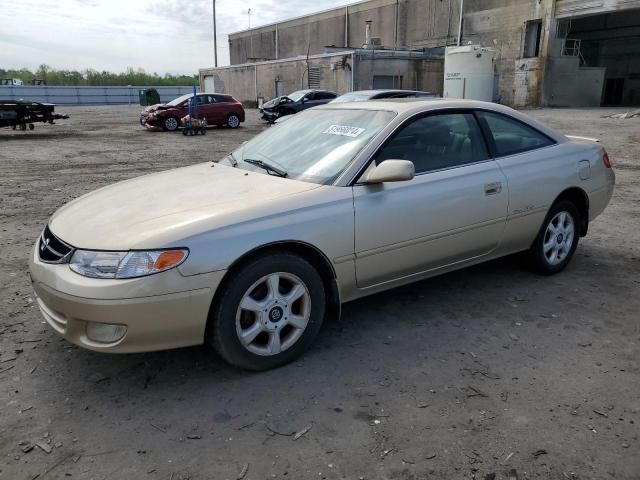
(493, 188)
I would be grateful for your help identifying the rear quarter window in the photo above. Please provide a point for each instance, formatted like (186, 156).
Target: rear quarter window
(510, 136)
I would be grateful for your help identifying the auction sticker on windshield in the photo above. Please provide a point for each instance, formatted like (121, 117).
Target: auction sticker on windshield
(344, 130)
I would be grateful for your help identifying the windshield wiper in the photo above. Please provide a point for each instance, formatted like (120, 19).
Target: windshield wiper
(265, 166)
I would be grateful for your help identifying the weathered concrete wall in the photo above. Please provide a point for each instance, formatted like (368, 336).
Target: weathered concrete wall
(248, 82)
(571, 86)
(502, 25)
(419, 74)
(420, 23)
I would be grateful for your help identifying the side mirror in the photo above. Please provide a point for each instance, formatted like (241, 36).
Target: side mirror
(391, 171)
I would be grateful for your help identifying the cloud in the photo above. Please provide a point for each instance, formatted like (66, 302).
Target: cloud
(158, 35)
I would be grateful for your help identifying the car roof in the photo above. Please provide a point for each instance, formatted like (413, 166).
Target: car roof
(402, 105)
(411, 106)
(383, 90)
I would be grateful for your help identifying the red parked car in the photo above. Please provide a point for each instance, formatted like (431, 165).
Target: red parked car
(217, 108)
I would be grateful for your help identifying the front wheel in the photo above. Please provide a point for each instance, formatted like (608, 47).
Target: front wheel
(557, 241)
(171, 124)
(268, 312)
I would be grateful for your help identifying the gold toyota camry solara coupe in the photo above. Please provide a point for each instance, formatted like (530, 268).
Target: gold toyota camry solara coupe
(251, 253)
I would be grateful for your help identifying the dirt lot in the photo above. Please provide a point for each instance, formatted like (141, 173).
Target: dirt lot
(487, 370)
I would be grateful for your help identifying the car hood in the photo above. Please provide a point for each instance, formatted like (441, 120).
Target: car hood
(274, 102)
(157, 107)
(161, 209)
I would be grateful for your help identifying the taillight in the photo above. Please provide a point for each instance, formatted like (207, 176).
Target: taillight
(606, 160)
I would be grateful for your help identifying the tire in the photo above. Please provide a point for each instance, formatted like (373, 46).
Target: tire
(557, 240)
(233, 121)
(247, 305)
(170, 124)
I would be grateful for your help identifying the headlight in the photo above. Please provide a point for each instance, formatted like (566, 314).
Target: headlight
(132, 264)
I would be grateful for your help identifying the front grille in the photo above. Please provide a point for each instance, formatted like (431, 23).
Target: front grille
(53, 250)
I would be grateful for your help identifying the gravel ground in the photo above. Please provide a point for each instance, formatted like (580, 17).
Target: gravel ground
(486, 370)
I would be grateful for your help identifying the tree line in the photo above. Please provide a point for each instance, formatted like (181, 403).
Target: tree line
(91, 77)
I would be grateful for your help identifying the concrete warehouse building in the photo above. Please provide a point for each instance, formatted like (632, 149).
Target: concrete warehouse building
(547, 52)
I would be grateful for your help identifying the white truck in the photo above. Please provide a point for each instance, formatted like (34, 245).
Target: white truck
(11, 81)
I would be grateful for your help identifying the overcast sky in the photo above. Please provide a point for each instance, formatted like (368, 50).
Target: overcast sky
(161, 36)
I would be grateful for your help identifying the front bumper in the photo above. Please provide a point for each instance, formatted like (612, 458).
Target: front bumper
(268, 115)
(162, 311)
(149, 121)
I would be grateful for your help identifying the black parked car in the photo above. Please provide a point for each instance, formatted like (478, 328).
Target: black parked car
(295, 102)
(364, 95)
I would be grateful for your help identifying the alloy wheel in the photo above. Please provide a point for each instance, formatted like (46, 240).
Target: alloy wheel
(558, 238)
(171, 123)
(273, 314)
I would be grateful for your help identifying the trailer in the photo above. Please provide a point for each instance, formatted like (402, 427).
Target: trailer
(22, 114)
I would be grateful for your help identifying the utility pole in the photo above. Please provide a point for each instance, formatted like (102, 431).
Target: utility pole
(215, 37)
(460, 24)
(249, 17)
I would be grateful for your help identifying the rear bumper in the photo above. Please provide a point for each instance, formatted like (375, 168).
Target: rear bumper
(599, 199)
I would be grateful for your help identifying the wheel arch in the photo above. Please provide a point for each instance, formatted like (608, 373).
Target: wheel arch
(305, 250)
(580, 199)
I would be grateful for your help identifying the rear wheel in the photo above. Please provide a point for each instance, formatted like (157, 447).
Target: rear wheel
(268, 312)
(171, 124)
(233, 121)
(558, 239)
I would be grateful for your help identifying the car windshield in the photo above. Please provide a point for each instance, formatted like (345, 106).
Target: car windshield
(177, 101)
(352, 97)
(313, 146)
(295, 96)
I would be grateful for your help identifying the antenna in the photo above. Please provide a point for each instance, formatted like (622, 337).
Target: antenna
(215, 37)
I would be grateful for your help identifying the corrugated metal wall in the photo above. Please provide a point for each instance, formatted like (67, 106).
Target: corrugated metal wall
(85, 95)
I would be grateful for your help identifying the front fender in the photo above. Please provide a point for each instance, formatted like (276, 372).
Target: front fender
(327, 226)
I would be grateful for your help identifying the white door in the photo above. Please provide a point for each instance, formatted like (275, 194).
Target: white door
(210, 84)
